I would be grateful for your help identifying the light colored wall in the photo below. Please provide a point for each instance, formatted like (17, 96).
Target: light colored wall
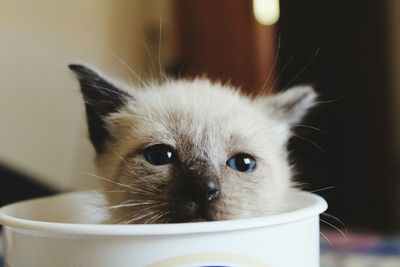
(42, 127)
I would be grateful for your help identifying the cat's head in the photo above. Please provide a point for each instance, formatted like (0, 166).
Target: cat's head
(185, 151)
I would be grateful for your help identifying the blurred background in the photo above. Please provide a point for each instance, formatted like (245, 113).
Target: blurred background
(347, 149)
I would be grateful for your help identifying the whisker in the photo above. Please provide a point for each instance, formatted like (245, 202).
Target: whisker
(162, 217)
(156, 217)
(146, 192)
(130, 217)
(107, 180)
(128, 205)
(310, 142)
(120, 220)
(151, 183)
(326, 238)
(309, 127)
(323, 189)
(301, 186)
(150, 202)
(128, 67)
(303, 69)
(137, 191)
(281, 71)
(153, 67)
(119, 156)
(104, 88)
(113, 191)
(156, 204)
(272, 68)
(336, 228)
(138, 218)
(330, 101)
(337, 220)
(159, 50)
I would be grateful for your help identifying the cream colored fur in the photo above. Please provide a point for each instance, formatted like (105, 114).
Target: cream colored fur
(206, 123)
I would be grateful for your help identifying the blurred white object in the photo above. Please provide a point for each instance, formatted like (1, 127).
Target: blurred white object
(266, 12)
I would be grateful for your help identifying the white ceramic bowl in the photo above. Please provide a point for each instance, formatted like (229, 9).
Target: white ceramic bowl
(61, 231)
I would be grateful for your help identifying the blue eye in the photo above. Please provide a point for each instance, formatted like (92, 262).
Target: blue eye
(242, 162)
(159, 154)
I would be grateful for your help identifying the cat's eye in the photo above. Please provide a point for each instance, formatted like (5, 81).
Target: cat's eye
(159, 154)
(242, 162)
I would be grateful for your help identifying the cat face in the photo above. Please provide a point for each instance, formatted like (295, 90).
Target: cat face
(188, 151)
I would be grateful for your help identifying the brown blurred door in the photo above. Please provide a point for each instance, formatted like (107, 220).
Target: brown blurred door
(223, 40)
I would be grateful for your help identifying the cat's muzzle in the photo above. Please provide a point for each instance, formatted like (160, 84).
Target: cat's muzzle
(200, 195)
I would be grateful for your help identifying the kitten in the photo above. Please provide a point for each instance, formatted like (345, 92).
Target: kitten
(185, 151)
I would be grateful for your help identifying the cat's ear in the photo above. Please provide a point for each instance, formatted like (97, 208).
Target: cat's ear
(290, 106)
(101, 99)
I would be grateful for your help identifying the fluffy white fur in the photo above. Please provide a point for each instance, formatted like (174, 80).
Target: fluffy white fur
(206, 123)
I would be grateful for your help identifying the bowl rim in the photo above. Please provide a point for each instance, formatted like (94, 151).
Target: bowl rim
(318, 206)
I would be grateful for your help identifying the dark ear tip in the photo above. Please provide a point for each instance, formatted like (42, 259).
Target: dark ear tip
(81, 70)
(75, 67)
